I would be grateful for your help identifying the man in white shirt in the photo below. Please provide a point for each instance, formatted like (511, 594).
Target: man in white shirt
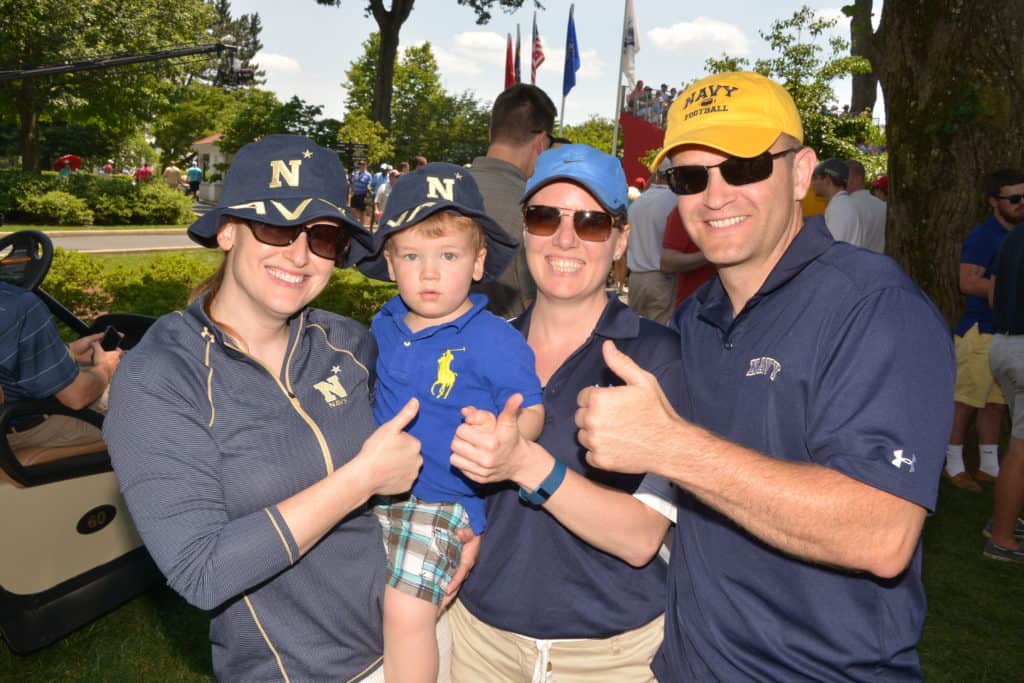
(651, 292)
(871, 209)
(841, 217)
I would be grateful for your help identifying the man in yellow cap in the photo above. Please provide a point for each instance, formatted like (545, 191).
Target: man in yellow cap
(814, 420)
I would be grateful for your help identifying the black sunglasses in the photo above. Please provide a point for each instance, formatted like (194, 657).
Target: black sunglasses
(591, 226)
(1012, 198)
(553, 139)
(735, 171)
(325, 240)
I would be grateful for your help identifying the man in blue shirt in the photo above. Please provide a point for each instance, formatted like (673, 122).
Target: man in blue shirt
(814, 415)
(35, 363)
(360, 184)
(976, 391)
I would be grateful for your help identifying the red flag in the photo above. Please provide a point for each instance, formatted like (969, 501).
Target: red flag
(510, 69)
(538, 52)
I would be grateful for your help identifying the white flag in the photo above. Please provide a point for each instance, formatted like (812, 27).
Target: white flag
(630, 44)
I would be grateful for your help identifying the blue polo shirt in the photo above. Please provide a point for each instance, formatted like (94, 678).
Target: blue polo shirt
(980, 249)
(534, 577)
(361, 182)
(34, 362)
(476, 360)
(839, 360)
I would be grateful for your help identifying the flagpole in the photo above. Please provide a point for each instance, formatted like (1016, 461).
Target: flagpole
(618, 79)
(561, 117)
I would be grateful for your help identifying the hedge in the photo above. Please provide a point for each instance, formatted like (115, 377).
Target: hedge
(105, 200)
(163, 283)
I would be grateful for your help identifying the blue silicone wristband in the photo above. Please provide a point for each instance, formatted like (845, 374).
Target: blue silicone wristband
(547, 487)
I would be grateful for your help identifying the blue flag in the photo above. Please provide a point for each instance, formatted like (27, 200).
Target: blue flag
(572, 56)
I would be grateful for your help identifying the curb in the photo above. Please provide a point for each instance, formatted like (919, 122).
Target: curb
(127, 231)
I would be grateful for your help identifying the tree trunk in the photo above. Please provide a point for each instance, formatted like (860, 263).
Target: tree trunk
(28, 124)
(952, 73)
(865, 86)
(389, 24)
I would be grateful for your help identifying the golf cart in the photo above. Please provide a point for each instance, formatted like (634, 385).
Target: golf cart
(69, 552)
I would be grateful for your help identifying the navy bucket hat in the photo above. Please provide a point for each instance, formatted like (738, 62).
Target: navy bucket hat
(284, 180)
(429, 190)
(599, 173)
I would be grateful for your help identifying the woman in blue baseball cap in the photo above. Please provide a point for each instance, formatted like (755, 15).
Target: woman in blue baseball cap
(243, 438)
(567, 585)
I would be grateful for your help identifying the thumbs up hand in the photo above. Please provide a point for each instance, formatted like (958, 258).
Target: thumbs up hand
(625, 428)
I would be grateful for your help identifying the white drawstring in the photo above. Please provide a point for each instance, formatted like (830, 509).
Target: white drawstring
(542, 668)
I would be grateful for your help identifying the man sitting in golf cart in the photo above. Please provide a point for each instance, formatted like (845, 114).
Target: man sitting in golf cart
(35, 363)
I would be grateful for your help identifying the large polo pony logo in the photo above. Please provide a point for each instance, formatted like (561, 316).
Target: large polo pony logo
(282, 173)
(437, 188)
(446, 377)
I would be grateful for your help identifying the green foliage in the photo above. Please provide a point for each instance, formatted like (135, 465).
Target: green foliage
(201, 109)
(262, 114)
(807, 69)
(76, 280)
(358, 127)
(426, 119)
(245, 35)
(162, 283)
(86, 199)
(596, 131)
(57, 207)
(38, 32)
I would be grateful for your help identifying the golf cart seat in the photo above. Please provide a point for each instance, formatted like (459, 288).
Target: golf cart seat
(70, 551)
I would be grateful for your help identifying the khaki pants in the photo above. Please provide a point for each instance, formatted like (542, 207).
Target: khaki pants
(652, 294)
(482, 653)
(51, 439)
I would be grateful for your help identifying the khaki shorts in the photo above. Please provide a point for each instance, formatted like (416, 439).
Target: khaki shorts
(484, 654)
(975, 386)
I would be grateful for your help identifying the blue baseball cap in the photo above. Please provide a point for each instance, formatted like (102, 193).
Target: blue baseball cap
(599, 173)
(432, 189)
(284, 180)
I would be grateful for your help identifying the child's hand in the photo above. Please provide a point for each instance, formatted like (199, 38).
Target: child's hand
(485, 447)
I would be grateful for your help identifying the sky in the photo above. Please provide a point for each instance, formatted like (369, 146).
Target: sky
(307, 47)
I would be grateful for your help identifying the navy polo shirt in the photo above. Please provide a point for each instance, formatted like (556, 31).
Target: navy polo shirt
(533, 576)
(980, 249)
(839, 360)
(34, 362)
(476, 360)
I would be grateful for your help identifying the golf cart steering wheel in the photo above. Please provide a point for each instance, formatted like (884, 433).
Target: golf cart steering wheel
(25, 258)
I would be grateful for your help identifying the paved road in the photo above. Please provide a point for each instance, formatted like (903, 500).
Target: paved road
(122, 241)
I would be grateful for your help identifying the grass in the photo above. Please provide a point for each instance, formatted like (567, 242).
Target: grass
(15, 227)
(973, 631)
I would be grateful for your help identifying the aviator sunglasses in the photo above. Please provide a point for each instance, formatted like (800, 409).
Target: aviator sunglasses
(325, 240)
(735, 171)
(1012, 198)
(590, 226)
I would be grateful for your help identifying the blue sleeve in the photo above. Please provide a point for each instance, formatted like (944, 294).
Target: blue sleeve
(977, 250)
(515, 370)
(45, 365)
(880, 412)
(168, 467)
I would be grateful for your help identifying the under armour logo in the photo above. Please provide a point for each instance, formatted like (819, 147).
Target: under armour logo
(898, 460)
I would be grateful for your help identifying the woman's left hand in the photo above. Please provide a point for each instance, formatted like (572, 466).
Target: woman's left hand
(487, 448)
(470, 551)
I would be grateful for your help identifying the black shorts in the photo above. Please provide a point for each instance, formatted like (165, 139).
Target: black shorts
(193, 186)
(358, 202)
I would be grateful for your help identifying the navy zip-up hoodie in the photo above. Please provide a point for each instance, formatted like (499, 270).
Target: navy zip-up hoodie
(205, 442)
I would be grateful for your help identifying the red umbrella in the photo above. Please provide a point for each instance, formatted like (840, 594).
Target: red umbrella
(74, 161)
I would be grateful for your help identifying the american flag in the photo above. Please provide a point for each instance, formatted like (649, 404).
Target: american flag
(538, 53)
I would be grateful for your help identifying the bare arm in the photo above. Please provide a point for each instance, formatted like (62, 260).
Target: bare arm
(531, 421)
(92, 380)
(974, 282)
(805, 510)
(675, 261)
(489, 449)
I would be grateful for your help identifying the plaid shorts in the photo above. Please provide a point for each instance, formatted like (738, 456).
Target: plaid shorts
(423, 550)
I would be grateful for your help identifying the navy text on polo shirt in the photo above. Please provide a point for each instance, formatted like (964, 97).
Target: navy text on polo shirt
(838, 360)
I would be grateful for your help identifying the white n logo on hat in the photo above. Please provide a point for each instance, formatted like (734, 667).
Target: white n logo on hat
(444, 186)
(279, 171)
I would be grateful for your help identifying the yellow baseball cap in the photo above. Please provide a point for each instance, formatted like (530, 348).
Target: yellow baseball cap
(737, 113)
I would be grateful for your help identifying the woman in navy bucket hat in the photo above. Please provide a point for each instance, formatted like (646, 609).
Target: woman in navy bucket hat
(566, 586)
(242, 435)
